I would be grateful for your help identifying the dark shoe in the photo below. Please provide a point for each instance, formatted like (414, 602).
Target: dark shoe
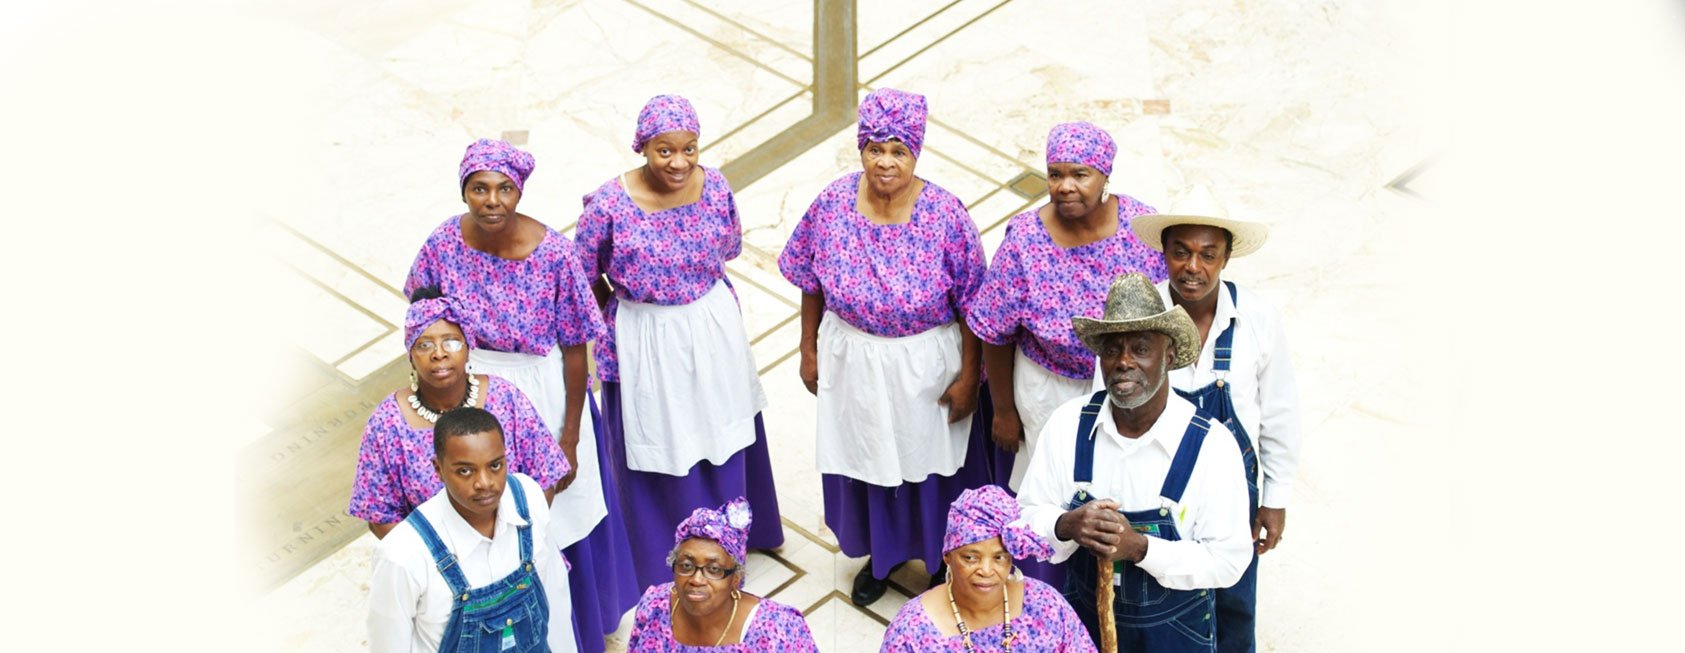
(867, 590)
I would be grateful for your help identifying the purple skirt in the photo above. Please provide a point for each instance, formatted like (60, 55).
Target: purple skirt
(659, 502)
(999, 462)
(908, 521)
(602, 582)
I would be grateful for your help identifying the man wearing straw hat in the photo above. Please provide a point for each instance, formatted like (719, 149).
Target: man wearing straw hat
(1243, 376)
(1139, 482)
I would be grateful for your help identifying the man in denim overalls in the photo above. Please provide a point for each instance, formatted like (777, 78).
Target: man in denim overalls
(1137, 476)
(470, 570)
(1243, 378)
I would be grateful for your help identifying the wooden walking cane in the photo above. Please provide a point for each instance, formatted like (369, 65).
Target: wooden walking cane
(1103, 597)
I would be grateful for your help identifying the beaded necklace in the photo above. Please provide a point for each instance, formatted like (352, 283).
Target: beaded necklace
(1006, 613)
(428, 414)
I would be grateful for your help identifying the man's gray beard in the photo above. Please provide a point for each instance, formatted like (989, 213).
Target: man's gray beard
(1143, 397)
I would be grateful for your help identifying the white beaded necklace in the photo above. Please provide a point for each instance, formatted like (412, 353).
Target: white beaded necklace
(467, 400)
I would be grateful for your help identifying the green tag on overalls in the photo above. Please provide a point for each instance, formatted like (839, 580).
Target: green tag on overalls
(508, 636)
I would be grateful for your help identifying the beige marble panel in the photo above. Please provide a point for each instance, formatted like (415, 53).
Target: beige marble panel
(772, 206)
(322, 609)
(932, 26)
(786, 22)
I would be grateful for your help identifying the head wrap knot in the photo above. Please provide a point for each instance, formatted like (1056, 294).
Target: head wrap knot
(662, 114)
(1081, 142)
(427, 311)
(891, 114)
(729, 526)
(986, 512)
(496, 156)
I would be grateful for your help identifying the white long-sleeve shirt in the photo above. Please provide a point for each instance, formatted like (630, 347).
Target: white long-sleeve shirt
(1260, 380)
(409, 600)
(1212, 518)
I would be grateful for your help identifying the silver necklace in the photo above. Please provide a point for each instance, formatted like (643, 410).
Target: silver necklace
(432, 417)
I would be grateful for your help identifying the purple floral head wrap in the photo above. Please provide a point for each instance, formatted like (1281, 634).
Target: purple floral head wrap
(987, 512)
(496, 156)
(664, 113)
(424, 313)
(887, 113)
(1081, 142)
(729, 526)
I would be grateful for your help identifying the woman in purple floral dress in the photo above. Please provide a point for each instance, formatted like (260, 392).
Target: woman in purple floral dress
(395, 460)
(884, 261)
(681, 396)
(523, 280)
(710, 549)
(1055, 262)
(984, 606)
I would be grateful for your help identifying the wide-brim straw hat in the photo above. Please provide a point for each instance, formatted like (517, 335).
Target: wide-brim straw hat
(1200, 208)
(1133, 304)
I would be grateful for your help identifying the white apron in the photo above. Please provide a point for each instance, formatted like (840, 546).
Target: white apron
(1037, 391)
(579, 508)
(688, 386)
(878, 416)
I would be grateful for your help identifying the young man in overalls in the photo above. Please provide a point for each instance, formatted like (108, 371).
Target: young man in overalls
(1243, 377)
(1138, 476)
(468, 569)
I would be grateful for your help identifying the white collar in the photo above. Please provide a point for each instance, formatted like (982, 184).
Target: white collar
(458, 529)
(1166, 432)
(1226, 311)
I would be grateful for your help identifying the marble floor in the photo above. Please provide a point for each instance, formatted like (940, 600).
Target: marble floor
(1306, 115)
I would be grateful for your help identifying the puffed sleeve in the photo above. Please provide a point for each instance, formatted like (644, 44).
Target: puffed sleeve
(646, 628)
(1137, 254)
(537, 454)
(963, 257)
(594, 236)
(903, 634)
(377, 487)
(796, 261)
(791, 634)
(731, 240)
(424, 271)
(1072, 636)
(578, 319)
(995, 312)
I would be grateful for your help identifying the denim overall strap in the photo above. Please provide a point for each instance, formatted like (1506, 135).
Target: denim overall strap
(1083, 471)
(1187, 453)
(1217, 400)
(442, 557)
(525, 532)
(1225, 341)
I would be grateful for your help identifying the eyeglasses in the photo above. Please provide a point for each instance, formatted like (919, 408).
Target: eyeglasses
(686, 568)
(451, 345)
